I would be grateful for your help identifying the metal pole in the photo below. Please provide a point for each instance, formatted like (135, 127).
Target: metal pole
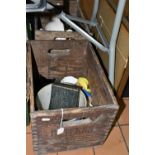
(113, 39)
(95, 9)
(81, 20)
(82, 32)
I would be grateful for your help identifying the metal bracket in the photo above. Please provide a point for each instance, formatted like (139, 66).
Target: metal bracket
(82, 32)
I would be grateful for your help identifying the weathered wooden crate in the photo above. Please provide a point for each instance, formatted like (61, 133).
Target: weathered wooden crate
(69, 6)
(78, 60)
(52, 35)
(43, 18)
(48, 35)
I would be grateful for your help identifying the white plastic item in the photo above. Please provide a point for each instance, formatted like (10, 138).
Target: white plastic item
(44, 96)
(69, 80)
(69, 30)
(55, 25)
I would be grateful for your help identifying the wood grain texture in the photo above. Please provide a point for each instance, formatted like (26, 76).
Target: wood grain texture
(30, 77)
(87, 7)
(27, 76)
(79, 60)
(46, 139)
(48, 35)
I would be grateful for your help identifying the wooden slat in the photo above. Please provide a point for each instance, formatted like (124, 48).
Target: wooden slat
(48, 35)
(87, 8)
(30, 75)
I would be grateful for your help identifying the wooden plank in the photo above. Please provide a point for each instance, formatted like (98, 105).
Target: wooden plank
(48, 35)
(30, 76)
(74, 136)
(87, 8)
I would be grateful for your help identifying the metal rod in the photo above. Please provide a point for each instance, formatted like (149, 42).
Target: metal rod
(82, 32)
(36, 7)
(30, 6)
(113, 40)
(92, 23)
(103, 38)
(95, 9)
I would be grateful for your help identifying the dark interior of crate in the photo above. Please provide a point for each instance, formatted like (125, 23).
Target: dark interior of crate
(53, 60)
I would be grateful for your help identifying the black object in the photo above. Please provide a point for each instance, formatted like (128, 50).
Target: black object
(64, 96)
(27, 113)
(126, 90)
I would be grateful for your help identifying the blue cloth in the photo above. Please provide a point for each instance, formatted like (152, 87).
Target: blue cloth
(86, 93)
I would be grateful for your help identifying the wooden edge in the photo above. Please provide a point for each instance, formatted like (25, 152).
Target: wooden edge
(105, 79)
(27, 78)
(123, 81)
(31, 78)
(73, 110)
(48, 35)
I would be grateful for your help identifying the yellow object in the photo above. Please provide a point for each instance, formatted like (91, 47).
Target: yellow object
(83, 82)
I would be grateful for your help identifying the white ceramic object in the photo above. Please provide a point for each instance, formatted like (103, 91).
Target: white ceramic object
(69, 80)
(55, 25)
(69, 30)
(44, 95)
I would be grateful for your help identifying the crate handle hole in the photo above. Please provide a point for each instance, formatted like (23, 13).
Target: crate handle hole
(58, 52)
(45, 119)
(64, 38)
(76, 121)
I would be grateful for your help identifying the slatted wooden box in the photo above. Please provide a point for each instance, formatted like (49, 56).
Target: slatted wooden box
(53, 35)
(76, 58)
(41, 20)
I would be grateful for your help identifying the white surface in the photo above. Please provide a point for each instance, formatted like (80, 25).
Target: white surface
(55, 25)
(60, 131)
(69, 80)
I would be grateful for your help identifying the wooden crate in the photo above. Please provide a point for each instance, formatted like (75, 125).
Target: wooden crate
(52, 35)
(42, 19)
(48, 35)
(80, 60)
